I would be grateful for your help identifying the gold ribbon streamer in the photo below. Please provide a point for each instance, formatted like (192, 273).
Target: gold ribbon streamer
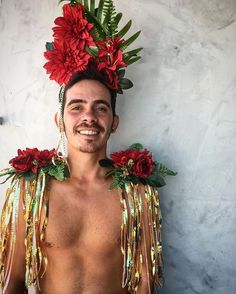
(35, 202)
(133, 232)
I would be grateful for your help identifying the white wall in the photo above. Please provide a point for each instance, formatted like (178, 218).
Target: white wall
(182, 107)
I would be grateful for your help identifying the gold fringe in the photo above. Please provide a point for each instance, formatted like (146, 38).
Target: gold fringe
(35, 210)
(133, 231)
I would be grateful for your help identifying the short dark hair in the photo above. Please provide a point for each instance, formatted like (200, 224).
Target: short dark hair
(90, 74)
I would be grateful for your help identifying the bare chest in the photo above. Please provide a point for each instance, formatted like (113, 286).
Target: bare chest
(84, 218)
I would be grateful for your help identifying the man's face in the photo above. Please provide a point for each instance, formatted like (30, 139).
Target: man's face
(88, 117)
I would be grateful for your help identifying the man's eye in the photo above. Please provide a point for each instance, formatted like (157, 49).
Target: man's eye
(78, 107)
(102, 109)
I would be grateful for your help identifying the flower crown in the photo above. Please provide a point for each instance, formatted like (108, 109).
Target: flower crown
(89, 36)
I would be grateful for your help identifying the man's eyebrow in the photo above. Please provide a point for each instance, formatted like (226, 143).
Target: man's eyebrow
(99, 101)
(73, 101)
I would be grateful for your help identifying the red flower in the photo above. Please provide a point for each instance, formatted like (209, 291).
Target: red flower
(143, 165)
(72, 27)
(44, 157)
(112, 79)
(31, 159)
(110, 59)
(138, 163)
(64, 61)
(109, 46)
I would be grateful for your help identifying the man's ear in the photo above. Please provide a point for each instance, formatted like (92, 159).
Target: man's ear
(56, 119)
(115, 123)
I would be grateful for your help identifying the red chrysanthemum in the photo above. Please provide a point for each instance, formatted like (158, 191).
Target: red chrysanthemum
(65, 60)
(72, 27)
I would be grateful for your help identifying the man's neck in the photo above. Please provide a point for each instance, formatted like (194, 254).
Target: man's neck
(85, 166)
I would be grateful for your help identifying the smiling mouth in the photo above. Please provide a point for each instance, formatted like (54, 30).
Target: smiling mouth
(88, 132)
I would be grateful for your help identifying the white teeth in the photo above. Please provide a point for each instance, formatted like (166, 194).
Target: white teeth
(87, 132)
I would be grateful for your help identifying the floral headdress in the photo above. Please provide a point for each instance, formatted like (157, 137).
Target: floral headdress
(86, 36)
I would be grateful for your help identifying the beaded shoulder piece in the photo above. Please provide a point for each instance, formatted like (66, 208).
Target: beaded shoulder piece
(134, 173)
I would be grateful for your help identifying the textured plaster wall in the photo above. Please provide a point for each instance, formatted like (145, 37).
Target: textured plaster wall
(182, 107)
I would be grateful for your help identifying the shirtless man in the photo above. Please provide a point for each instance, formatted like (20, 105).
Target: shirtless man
(82, 240)
(96, 241)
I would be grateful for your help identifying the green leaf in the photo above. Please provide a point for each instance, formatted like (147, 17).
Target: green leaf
(132, 52)
(61, 1)
(99, 27)
(128, 42)
(100, 10)
(49, 46)
(121, 73)
(125, 83)
(132, 60)
(7, 171)
(162, 169)
(109, 18)
(160, 182)
(125, 29)
(92, 6)
(118, 18)
(137, 146)
(57, 171)
(156, 182)
(92, 50)
(86, 4)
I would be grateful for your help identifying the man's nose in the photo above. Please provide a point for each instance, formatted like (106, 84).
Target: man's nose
(89, 116)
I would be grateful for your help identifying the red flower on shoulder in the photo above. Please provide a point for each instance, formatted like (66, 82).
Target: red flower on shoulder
(64, 61)
(143, 165)
(73, 27)
(139, 163)
(31, 159)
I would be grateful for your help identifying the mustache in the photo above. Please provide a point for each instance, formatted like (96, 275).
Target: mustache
(88, 126)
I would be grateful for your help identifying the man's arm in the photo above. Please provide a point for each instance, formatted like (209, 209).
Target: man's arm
(17, 276)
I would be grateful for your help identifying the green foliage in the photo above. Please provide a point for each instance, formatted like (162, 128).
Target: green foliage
(164, 171)
(100, 10)
(125, 29)
(57, 171)
(92, 50)
(29, 176)
(121, 73)
(117, 18)
(125, 83)
(137, 146)
(99, 31)
(128, 42)
(110, 20)
(92, 7)
(49, 46)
